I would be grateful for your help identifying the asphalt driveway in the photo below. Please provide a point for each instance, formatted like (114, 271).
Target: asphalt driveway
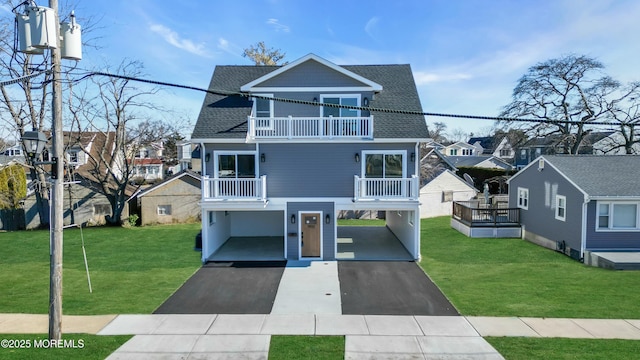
(389, 288)
(227, 288)
(366, 288)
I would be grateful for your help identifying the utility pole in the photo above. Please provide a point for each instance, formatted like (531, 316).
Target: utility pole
(57, 198)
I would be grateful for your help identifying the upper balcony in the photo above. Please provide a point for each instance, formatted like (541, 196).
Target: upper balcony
(329, 128)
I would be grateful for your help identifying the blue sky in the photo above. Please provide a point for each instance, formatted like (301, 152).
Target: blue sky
(466, 55)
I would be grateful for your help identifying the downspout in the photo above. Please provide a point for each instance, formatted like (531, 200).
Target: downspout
(583, 234)
(416, 215)
(205, 218)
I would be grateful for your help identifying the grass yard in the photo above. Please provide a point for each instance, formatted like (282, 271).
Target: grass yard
(515, 348)
(306, 347)
(361, 222)
(512, 277)
(93, 347)
(133, 270)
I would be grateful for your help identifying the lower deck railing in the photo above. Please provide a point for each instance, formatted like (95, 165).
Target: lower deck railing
(472, 214)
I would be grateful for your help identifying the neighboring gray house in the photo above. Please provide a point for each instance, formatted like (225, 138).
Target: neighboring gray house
(580, 204)
(277, 173)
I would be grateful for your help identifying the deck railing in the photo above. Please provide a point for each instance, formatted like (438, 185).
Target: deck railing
(234, 189)
(385, 188)
(310, 127)
(473, 214)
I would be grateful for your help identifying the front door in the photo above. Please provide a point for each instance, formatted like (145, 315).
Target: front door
(310, 235)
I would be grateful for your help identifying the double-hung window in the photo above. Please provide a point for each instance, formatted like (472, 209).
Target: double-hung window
(263, 112)
(561, 207)
(618, 216)
(523, 198)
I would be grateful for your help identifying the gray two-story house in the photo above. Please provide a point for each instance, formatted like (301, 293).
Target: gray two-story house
(299, 145)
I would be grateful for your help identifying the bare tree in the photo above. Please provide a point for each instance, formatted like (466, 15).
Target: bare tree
(458, 134)
(25, 103)
(260, 55)
(558, 91)
(113, 107)
(437, 132)
(624, 109)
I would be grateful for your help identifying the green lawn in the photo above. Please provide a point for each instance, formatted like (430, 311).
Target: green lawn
(514, 348)
(133, 270)
(361, 222)
(80, 346)
(512, 277)
(306, 347)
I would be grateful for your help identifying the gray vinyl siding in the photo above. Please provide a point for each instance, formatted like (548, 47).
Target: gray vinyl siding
(318, 170)
(608, 239)
(310, 74)
(540, 218)
(328, 230)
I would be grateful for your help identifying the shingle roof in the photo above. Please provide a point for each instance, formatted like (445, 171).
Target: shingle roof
(226, 116)
(601, 175)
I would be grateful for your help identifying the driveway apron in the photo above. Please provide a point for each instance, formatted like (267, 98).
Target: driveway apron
(227, 288)
(389, 288)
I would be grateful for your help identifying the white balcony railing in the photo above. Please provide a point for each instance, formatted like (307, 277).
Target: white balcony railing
(234, 189)
(386, 189)
(311, 128)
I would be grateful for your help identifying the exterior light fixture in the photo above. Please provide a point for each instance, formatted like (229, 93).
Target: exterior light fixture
(207, 157)
(413, 157)
(315, 99)
(34, 142)
(327, 219)
(357, 157)
(262, 157)
(365, 101)
(293, 218)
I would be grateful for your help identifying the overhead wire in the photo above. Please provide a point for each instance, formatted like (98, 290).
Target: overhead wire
(351, 107)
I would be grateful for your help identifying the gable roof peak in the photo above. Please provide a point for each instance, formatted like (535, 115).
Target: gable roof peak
(311, 57)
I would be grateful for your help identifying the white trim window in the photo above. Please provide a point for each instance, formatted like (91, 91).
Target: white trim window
(384, 164)
(618, 216)
(453, 152)
(263, 112)
(340, 99)
(467, 152)
(561, 207)
(523, 198)
(235, 164)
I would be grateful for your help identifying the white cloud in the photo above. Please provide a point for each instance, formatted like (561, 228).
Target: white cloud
(278, 26)
(174, 39)
(422, 77)
(370, 26)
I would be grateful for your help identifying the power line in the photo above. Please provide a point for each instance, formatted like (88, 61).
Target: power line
(315, 103)
(22, 78)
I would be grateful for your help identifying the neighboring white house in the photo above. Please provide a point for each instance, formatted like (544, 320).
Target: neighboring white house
(438, 195)
(461, 148)
(487, 162)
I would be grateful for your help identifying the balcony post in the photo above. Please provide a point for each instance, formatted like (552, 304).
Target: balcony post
(331, 132)
(290, 121)
(205, 187)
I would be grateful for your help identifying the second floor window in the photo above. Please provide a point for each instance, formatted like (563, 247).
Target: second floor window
(73, 157)
(466, 152)
(236, 166)
(453, 152)
(384, 165)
